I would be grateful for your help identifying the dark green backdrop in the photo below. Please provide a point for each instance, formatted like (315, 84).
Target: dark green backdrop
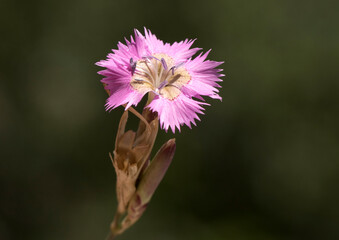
(262, 164)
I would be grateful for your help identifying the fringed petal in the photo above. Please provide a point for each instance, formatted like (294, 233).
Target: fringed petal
(204, 77)
(177, 112)
(118, 72)
(179, 51)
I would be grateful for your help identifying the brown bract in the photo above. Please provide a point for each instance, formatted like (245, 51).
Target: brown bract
(137, 176)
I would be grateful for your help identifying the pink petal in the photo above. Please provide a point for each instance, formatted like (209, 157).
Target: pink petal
(177, 112)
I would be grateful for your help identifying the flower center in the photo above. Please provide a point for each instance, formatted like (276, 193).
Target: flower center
(158, 73)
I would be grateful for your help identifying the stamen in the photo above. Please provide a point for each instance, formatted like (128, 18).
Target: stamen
(172, 68)
(172, 85)
(142, 80)
(154, 72)
(133, 65)
(175, 78)
(150, 57)
(155, 75)
(176, 66)
(163, 84)
(144, 73)
(179, 65)
(164, 64)
(159, 77)
(149, 72)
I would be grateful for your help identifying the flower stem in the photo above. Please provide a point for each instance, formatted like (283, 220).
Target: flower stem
(115, 228)
(110, 236)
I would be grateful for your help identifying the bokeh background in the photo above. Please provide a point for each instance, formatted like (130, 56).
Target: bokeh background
(262, 164)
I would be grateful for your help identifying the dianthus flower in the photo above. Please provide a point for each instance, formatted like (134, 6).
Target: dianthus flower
(176, 82)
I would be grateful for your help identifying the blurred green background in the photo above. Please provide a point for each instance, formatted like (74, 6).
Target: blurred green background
(262, 164)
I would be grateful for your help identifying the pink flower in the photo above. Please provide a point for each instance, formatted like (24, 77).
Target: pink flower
(176, 81)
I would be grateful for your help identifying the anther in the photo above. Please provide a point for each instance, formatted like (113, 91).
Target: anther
(172, 68)
(133, 65)
(163, 62)
(176, 66)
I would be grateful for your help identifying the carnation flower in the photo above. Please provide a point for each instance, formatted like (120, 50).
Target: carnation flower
(176, 82)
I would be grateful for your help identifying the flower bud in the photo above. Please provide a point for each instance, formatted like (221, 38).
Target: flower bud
(156, 171)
